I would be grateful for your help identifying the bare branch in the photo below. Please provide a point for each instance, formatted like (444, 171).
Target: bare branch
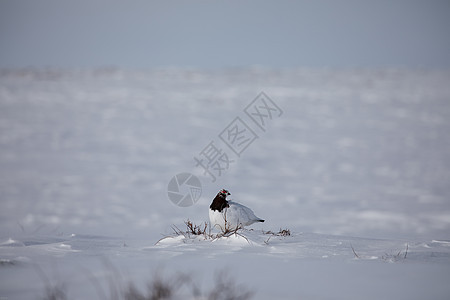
(354, 252)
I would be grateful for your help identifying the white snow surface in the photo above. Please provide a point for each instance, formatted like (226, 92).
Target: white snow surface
(357, 168)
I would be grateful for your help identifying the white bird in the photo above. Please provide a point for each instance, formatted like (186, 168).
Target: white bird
(228, 215)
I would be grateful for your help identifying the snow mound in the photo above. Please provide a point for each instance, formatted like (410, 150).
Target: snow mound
(12, 243)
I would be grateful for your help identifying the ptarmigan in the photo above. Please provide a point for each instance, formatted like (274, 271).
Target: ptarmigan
(228, 215)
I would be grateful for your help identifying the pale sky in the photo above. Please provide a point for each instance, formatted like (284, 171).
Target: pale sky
(221, 34)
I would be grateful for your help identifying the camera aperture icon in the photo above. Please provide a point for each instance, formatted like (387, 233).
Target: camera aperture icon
(184, 189)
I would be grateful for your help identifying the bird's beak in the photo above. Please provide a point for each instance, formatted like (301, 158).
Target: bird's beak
(229, 193)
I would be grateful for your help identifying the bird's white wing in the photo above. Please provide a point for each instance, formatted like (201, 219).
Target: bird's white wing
(241, 214)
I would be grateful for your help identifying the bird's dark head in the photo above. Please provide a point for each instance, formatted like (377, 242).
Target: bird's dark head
(224, 193)
(220, 201)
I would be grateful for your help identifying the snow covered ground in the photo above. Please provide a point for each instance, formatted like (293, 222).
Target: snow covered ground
(300, 266)
(358, 159)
